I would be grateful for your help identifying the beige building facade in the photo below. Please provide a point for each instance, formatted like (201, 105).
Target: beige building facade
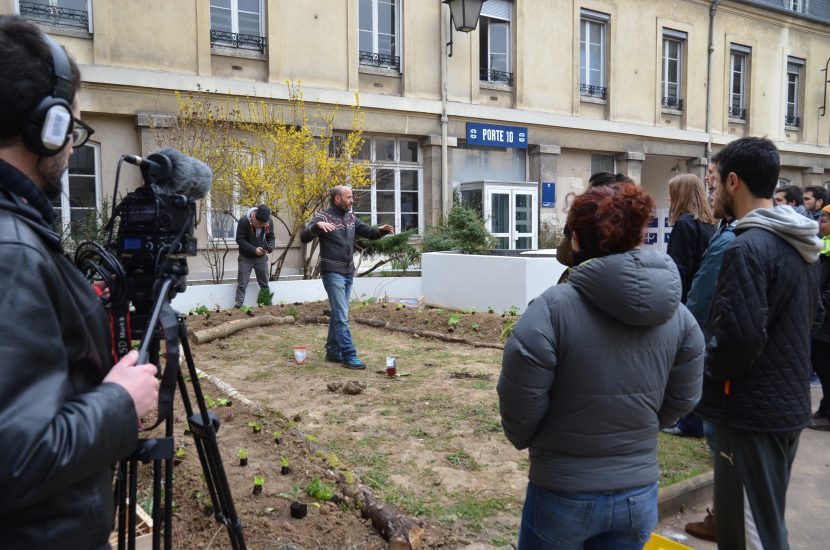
(648, 88)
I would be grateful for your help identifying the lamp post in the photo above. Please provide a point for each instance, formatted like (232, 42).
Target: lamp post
(464, 15)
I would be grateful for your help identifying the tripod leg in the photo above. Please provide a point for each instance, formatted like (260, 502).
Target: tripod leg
(203, 426)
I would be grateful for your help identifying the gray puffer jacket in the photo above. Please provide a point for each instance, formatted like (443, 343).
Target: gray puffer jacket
(595, 368)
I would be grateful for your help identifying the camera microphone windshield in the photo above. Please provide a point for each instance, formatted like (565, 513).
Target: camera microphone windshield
(174, 173)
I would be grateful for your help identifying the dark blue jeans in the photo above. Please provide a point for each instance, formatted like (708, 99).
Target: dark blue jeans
(339, 289)
(610, 520)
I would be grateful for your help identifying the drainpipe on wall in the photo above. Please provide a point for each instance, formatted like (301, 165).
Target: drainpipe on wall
(445, 189)
(712, 11)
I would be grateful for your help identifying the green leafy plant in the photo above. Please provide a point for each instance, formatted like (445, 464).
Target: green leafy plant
(259, 480)
(319, 490)
(507, 328)
(210, 402)
(245, 309)
(265, 297)
(284, 462)
(463, 230)
(397, 250)
(291, 311)
(180, 452)
(490, 309)
(277, 436)
(454, 319)
(242, 453)
(513, 311)
(255, 427)
(201, 310)
(223, 402)
(474, 326)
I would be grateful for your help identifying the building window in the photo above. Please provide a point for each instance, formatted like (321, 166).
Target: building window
(76, 210)
(72, 14)
(379, 28)
(602, 163)
(793, 116)
(592, 33)
(223, 212)
(672, 69)
(396, 193)
(737, 81)
(237, 24)
(797, 5)
(494, 42)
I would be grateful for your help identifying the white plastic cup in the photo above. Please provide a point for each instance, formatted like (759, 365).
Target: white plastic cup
(299, 355)
(391, 366)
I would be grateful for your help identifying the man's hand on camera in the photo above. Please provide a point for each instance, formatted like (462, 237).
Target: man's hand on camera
(140, 382)
(326, 227)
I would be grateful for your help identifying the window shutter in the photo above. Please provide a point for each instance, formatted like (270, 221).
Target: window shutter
(738, 48)
(500, 9)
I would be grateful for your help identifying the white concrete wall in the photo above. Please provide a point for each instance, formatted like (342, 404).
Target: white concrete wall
(295, 291)
(463, 281)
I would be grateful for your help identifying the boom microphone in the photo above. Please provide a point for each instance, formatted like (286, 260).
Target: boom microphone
(174, 173)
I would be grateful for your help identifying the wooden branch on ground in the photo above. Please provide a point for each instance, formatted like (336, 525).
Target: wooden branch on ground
(400, 531)
(226, 329)
(428, 333)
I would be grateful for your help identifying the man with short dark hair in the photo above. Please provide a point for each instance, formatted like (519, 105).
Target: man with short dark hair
(792, 196)
(757, 373)
(815, 198)
(66, 413)
(336, 228)
(255, 238)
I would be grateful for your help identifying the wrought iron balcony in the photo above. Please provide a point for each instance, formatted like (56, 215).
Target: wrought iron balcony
(737, 112)
(237, 40)
(792, 121)
(54, 15)
(383, 60)
(593, 91)
(489, 75)
(672, 103)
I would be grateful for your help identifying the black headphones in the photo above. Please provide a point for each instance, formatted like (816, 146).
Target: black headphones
(46, 130)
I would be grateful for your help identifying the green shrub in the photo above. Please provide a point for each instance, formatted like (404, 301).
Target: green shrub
(463, 230)
(265, 297)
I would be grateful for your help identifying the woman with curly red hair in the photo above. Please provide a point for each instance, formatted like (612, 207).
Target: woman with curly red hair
(592, 371)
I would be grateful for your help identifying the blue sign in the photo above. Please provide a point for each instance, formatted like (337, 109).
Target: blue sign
(548, 194)
(493, 135)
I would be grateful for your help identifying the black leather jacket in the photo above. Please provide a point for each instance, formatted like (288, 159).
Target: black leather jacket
(61, 429)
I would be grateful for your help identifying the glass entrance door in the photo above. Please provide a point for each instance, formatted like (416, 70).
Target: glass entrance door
(509, 214)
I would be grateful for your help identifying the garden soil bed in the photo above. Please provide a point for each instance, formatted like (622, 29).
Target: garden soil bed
(428, 442)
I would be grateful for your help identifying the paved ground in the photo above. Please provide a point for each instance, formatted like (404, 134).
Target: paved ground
(807, 498)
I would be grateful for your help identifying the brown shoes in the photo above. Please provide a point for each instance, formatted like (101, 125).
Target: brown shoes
(703, 529)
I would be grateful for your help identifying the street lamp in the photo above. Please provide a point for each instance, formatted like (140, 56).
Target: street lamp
(464, 15)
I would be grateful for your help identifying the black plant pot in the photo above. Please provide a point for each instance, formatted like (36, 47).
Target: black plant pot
(208, 510)
(257, 489)
(243, 461)
(285, 470)
(298, 510)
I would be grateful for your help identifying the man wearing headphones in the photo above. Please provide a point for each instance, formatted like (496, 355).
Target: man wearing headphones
(66, 413)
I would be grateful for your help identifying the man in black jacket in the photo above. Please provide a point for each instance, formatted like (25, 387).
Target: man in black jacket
(336, 228)
(757, 373)
(255, 238)
(66, 413)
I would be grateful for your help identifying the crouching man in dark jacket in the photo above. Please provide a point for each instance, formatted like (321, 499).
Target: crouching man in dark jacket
(756, 385)
(66, 414)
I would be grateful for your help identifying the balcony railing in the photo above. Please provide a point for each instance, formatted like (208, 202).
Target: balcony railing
(737, 112)
(593, 91)
(54, 15)
(794, 121)
(383, 60)
(672, 103)
(237, 40)
(490, 75)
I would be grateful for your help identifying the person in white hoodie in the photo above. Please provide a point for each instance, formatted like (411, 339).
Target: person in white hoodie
(756, 385)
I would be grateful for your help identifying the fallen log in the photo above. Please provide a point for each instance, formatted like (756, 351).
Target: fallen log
(401, 532)
(428, 333)
(311, 319)
(226, 329)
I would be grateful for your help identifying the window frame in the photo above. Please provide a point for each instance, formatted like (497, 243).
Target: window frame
(374, 58)
(53, 24)
(586, 19)
(234, 43)
(396, 166)
(792, 106)
(65, 205)
(486, 69)
(665, 83)
(238, 208)
(736, 54)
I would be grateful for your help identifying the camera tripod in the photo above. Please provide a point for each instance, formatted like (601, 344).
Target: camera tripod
(167, 324)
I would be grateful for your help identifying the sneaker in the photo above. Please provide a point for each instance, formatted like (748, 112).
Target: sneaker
(820, 424)
(354, 364)
(330, 358)
(674, 430)
(703, 529)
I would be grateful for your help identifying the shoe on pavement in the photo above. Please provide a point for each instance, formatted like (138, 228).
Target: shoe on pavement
(333, 358)
(703, 529)
(820, 424)
(674, 430)
(354, 364)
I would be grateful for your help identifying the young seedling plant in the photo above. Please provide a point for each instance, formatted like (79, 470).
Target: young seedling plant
(254, 425)
(179, 456)
(284, 469)
(223, 402)
(242, 455)
(277, 436)
(258, 481)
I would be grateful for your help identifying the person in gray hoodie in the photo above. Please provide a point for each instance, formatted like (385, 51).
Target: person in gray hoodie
(591, 372)
(756, 386)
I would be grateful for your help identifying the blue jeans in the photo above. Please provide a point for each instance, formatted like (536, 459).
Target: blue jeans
(339, 342)
(609, 520)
